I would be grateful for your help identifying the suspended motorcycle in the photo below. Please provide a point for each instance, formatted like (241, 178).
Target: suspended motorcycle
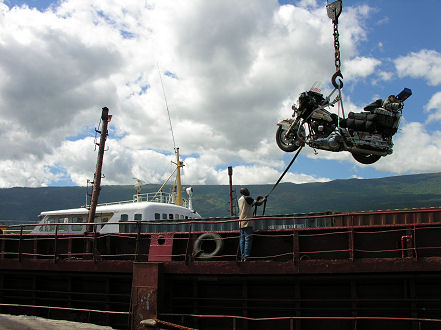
(367, 135)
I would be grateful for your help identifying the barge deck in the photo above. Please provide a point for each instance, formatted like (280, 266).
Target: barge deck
(359, 270)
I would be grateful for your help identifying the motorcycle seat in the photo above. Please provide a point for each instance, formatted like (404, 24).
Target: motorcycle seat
(376, 104)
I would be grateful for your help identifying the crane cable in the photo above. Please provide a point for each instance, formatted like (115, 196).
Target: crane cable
(166, 105)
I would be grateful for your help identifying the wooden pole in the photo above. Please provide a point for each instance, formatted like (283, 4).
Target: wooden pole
(99, 165)
(230, 174)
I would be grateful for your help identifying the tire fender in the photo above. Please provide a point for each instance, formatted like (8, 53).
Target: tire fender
(197, 246)
(285, 123)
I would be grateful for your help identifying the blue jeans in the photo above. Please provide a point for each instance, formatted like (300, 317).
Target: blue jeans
(246, 241)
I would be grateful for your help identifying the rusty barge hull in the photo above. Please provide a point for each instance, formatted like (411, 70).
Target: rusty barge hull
(361, 270)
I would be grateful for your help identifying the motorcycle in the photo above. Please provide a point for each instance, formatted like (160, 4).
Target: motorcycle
(366, 135)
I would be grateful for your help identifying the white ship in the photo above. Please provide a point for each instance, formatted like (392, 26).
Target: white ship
(156, 207)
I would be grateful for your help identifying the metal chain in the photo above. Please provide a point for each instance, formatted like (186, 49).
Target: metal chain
(336, 46)
(334, 10)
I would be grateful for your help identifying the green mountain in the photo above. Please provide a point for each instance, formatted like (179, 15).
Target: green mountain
(408, 191)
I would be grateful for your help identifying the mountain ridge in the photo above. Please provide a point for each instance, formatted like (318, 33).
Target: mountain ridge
(343, 195)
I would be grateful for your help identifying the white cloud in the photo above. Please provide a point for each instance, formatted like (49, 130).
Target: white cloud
(434, 104)
(423, 64)
(415, 150)
(235, 66)
(385, 76)
(25, 173)
(360, 67)
(243, 175)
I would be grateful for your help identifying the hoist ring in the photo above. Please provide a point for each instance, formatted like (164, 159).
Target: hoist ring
(334, 82)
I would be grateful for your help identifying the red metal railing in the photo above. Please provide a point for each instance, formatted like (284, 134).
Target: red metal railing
(339, 240)
(235, 318)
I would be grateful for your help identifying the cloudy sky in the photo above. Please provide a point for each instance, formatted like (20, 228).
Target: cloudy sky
(230, 70)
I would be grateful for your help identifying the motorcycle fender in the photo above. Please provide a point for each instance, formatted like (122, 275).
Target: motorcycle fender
(285, 123)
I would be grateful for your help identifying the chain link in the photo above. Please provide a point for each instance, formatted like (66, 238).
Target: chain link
(334, 10)
(336, 46)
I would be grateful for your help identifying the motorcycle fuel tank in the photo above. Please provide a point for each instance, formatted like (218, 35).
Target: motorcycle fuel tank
(321, 114)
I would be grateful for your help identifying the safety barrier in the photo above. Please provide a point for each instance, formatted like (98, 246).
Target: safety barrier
(357, 320)
(296, 238)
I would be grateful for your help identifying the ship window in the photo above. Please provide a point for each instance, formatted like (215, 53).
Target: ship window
(51, 227)
(98, 220)
(157, 216)
(177, 216)
(182, 217)
(164, 216)
(170, 216)
(62, 227)
(186, 217)
(122, 226)
(43, 228)
(103, 220)
(138, 217)
(77, 220)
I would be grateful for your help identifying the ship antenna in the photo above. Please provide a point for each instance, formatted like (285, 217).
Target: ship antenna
(166, 106)
(179, 164)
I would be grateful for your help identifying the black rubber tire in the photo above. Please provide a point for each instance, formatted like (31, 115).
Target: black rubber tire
(285, 145)
(366, 159)
(197, 247)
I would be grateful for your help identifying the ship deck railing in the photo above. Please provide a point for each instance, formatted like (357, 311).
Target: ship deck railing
(340, 236)
(161, 197)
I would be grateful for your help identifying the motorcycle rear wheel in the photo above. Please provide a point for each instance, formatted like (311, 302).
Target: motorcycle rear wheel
(366, 159)
(287, 144)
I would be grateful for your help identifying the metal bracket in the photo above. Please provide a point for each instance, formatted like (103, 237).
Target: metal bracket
(334, 9)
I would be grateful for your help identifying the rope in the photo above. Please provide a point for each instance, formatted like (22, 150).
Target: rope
(155, 322)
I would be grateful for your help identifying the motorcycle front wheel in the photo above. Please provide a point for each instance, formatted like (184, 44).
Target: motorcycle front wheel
(365, 158)
(287, 144)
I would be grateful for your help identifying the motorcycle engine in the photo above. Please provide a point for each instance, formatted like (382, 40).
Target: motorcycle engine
(324, 136)
(321, 128)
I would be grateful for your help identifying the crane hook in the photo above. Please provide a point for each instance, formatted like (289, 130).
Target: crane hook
(334, 82)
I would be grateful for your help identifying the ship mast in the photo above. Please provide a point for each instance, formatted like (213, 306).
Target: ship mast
(179, 164)
(178, 186)
(105, 117)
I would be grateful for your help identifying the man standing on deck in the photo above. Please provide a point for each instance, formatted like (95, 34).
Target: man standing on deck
(246, 203)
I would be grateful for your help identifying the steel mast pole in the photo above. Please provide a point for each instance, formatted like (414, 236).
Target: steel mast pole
(179, 164)
(230, 175)
(105, 117)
